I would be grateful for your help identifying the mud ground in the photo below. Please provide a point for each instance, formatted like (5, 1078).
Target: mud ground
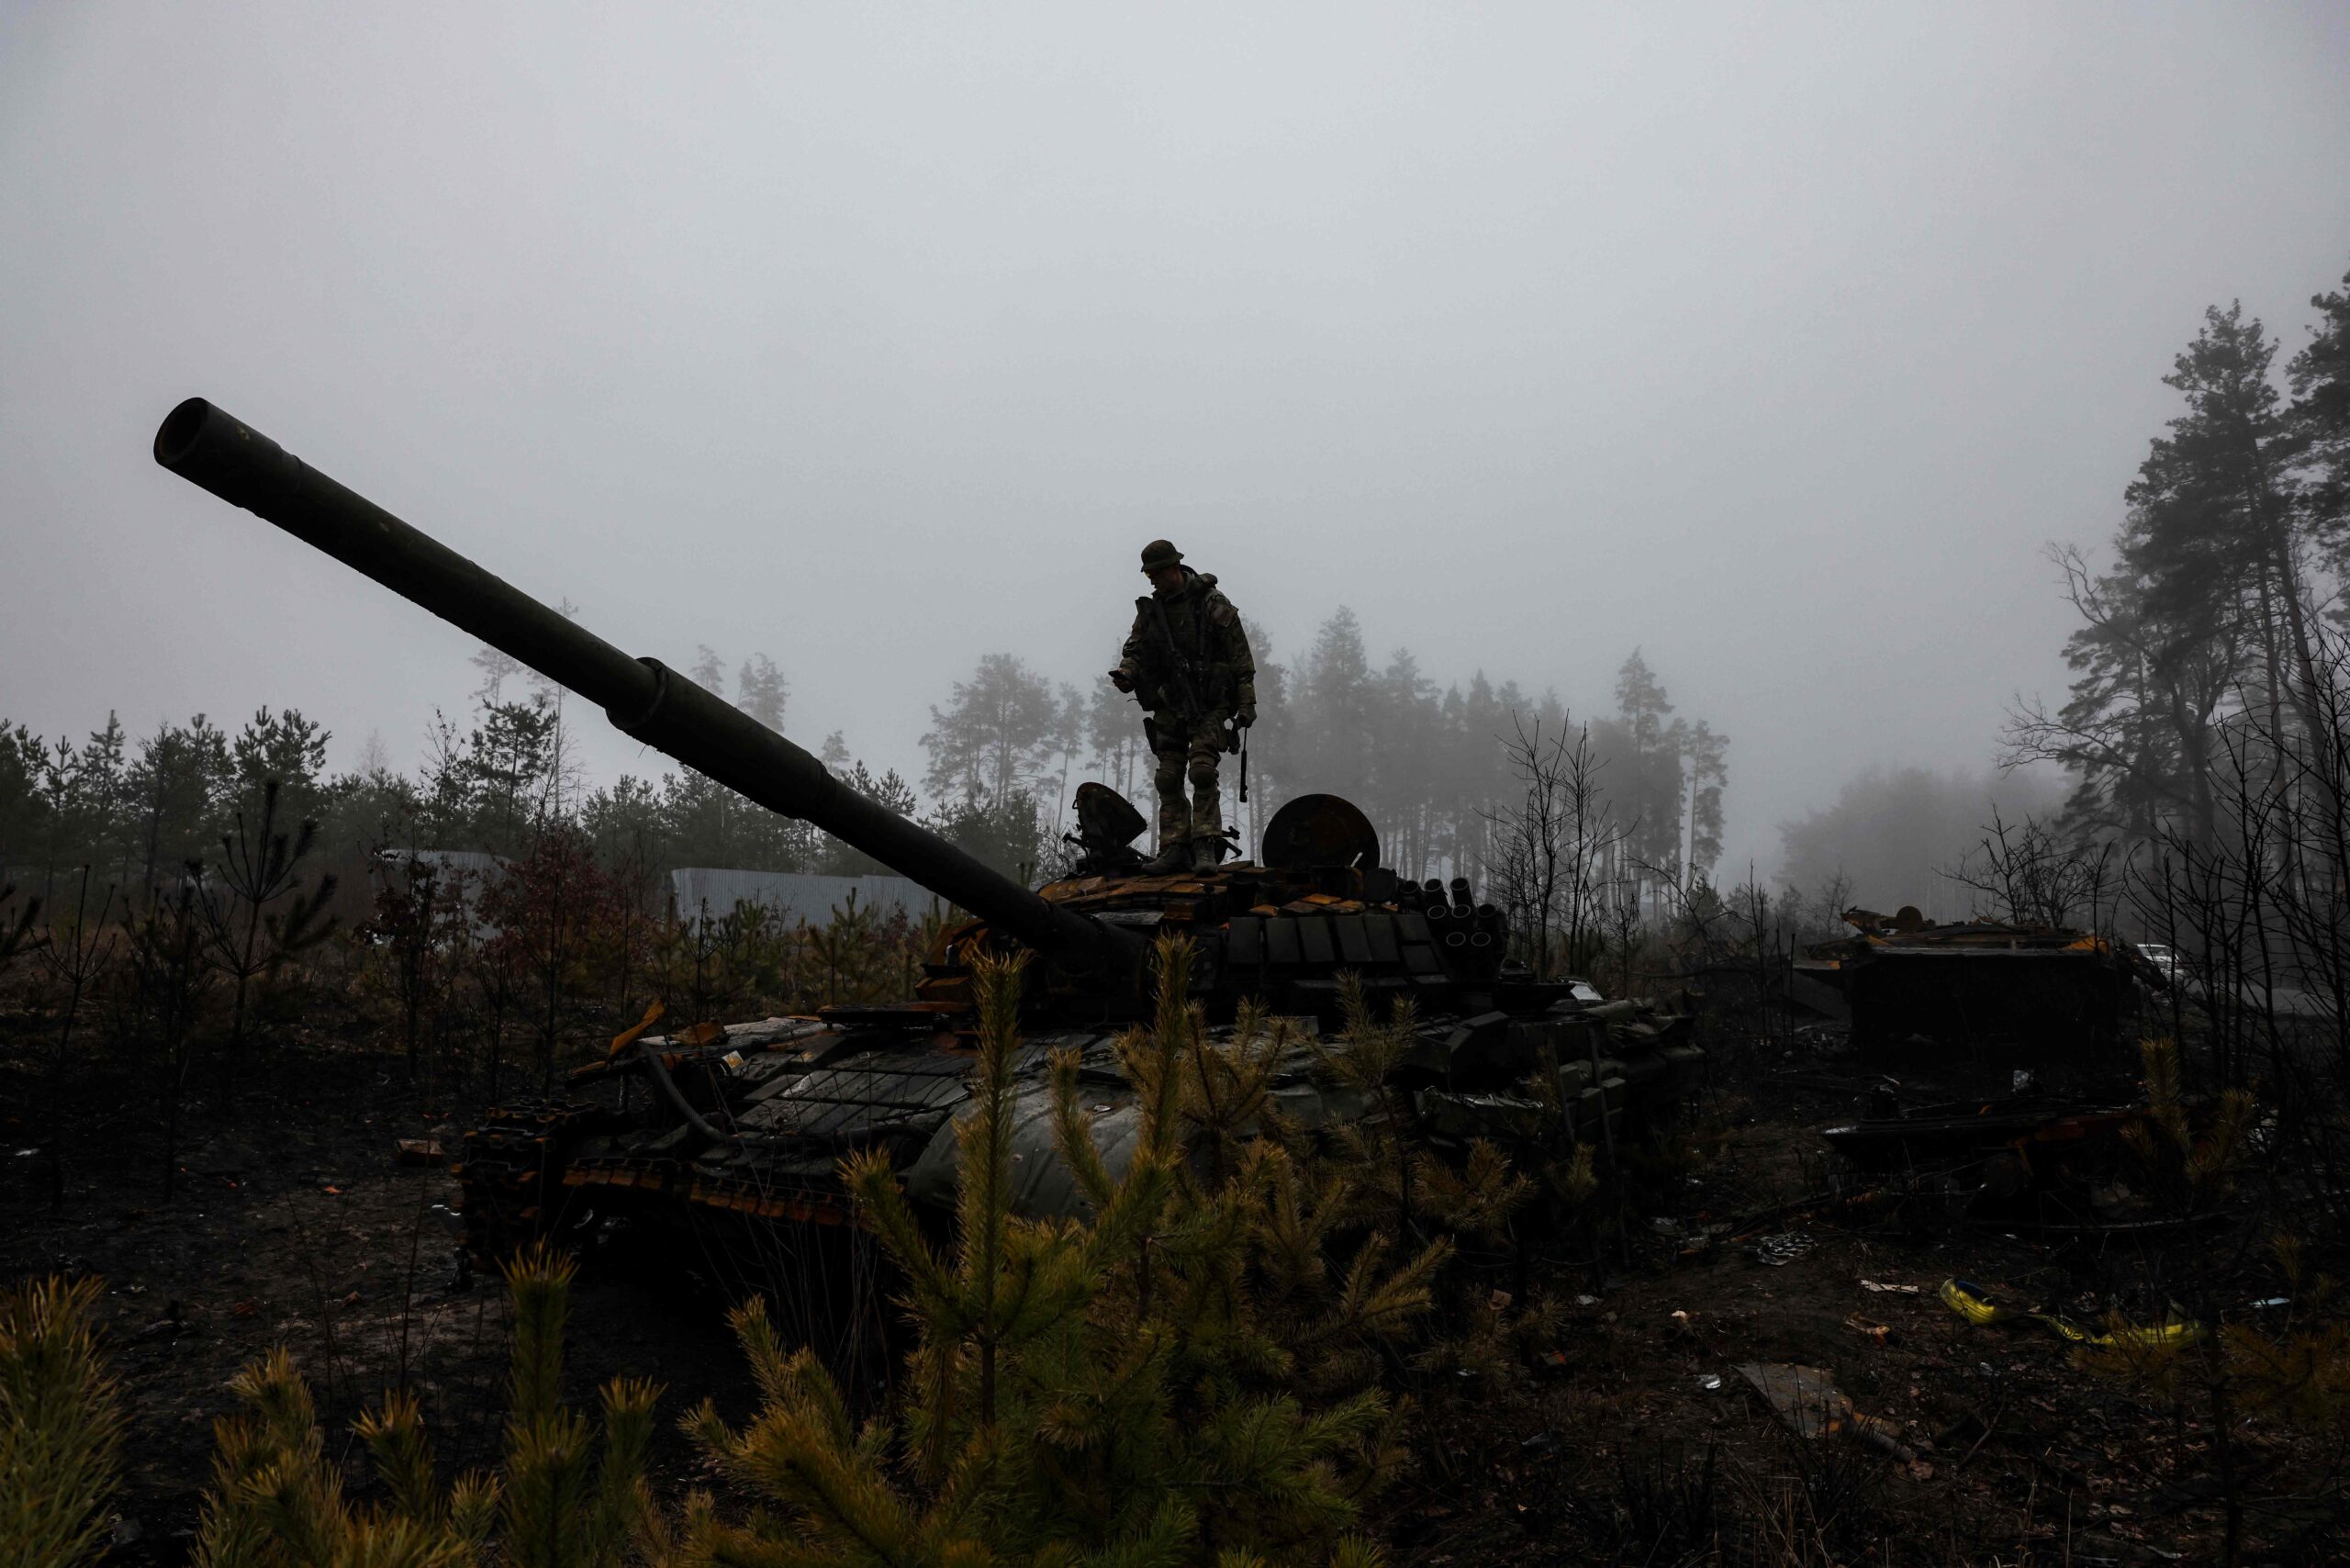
(296, 1224)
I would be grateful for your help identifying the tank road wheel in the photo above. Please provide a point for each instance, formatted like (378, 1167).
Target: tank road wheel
(510, 1182)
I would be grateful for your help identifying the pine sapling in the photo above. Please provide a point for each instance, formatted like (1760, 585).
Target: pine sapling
(61, 1426)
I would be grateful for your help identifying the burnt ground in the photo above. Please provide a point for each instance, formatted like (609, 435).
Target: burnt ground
(1643, 1444)
(296, 1225)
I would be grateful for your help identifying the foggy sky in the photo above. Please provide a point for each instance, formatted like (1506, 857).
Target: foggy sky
(877, 339)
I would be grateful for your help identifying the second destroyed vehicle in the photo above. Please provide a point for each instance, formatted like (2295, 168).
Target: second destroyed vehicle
(1980, 983)
(735, 1139)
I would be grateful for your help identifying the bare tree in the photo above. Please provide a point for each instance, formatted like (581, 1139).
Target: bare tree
(1553, 841)
(2036, 876)
(2261, 911)
(1625, 925)
(77, 953)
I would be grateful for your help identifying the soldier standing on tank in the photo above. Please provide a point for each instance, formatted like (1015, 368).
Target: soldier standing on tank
(1188, 662)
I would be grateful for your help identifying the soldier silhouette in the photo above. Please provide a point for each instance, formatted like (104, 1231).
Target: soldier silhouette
(1187, 661)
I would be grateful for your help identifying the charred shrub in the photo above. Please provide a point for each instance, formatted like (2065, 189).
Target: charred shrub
(1661, 1509)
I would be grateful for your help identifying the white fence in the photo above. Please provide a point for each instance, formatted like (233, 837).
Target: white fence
(796, 896)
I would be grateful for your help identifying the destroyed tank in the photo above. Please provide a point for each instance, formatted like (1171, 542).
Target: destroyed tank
(735, 1137)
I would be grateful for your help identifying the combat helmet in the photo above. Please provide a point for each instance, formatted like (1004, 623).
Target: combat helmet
(1159, 553)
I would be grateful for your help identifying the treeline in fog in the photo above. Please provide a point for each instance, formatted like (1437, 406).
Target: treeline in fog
(1893, 835)
(1430, 763)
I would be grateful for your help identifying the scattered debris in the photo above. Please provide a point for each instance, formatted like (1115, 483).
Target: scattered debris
(1804, 1398)
(1710, 1382)
(418, 1151)
(1880, 1332)
(1971, 1302)
(1972, 1128)
(1778, 1251)
(170, 1323)
(1688, 1237)
(1883, 1289)
(1808, 1403)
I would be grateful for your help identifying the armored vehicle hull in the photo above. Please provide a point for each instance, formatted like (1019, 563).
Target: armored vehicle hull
(778, 1102)
(749, 1126)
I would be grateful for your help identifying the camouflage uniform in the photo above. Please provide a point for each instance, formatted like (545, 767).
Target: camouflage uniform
(1190, 643)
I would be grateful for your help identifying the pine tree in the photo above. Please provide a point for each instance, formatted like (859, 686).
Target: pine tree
(566, 1494)
(624, 824)
(1645, 768)
(245, 939)
(1405, 788)
(2153, 676)
(2206, 607)
(1707, 751)
(496, 666)
(995, 737)
(166, 950)
(710, 670)
(174, 787)
(1112, 735)
(835, 858)
(1007, 833)
(1335, 722)
(1272, 740)
(1123, 1388)
(509, 771)
(103, 769)
(61, 1426)
(285, 747)
(762, 691)
(2214, 497)
(2319, 377)
(23, 813)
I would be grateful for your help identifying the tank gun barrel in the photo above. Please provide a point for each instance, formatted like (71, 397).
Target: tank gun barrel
(641, 696)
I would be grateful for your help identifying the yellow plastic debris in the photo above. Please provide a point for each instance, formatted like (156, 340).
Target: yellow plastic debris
(1966, 1299)
(1973, 1307)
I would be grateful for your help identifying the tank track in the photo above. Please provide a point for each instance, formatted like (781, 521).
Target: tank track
(511, 1176)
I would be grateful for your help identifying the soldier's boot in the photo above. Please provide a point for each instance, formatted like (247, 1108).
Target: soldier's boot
(1174, 837)
(1207, 824)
